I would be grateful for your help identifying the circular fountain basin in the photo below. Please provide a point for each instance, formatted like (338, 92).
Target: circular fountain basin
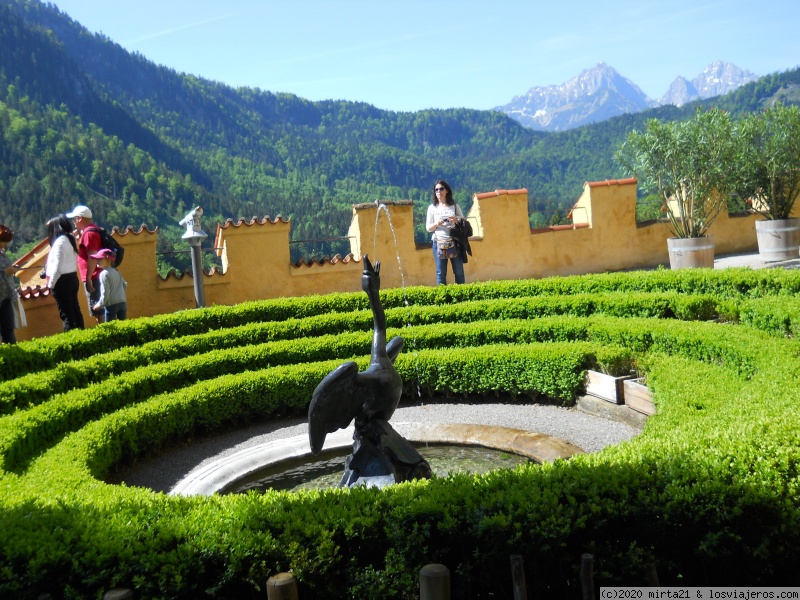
(324, 471)
(224, 473)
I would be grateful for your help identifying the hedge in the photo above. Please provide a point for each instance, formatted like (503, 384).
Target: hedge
(725, 284)
(44, 379)
(708, 492)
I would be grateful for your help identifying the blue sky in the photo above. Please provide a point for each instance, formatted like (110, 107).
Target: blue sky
(411, 55)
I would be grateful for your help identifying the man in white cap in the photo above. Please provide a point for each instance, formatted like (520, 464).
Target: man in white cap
(89, 243)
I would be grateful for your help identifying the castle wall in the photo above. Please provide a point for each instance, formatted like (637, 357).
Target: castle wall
(604, 236)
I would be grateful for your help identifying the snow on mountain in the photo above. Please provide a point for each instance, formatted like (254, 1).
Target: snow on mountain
(680, 92)
(718, 78)
(600, 93)
(594, 95)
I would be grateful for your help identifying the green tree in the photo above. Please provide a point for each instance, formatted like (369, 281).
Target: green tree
(768, 160)
(688, 164)
(648, 208)
(556, 218)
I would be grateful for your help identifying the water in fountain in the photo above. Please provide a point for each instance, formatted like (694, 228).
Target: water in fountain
(325, 471)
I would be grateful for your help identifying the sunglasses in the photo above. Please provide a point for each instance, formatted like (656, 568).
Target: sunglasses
(439, 189)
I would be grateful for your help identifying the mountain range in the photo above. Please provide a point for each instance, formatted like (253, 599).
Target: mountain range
(600, 93)
(83, 121)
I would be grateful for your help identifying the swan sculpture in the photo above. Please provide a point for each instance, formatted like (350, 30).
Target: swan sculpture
(380, 456)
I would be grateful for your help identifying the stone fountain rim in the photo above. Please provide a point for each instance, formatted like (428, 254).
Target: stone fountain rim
(225, 471)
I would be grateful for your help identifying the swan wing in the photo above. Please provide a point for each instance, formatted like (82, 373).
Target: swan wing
(334, 404)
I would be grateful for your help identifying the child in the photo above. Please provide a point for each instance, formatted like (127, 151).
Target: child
(112, 287)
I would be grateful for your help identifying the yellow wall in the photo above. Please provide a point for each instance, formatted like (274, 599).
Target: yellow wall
(256, 262)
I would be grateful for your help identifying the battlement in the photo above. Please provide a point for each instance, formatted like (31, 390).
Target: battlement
(604, 236)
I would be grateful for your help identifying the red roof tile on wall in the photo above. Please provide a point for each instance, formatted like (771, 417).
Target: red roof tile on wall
(29, 293)
(629, 181)
(501, 193)
(253, 221)
(568, 227)
(336, 258)
(175, 274)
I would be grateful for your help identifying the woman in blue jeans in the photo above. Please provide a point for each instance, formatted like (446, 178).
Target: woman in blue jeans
(443, 213)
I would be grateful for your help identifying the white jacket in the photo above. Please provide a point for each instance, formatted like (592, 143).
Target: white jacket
(61, 259)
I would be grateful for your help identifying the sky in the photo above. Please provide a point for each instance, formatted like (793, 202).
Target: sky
(411, 55)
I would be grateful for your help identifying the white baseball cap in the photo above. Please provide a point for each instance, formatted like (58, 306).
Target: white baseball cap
(80, 211)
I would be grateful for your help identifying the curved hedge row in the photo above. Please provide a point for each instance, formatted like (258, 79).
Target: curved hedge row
(708, 492)
(46, 379)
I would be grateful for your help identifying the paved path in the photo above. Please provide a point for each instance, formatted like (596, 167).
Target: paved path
(752, 261)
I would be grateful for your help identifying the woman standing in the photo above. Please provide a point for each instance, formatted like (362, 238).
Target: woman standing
(61, 271)
(443, 213)
(8, 292)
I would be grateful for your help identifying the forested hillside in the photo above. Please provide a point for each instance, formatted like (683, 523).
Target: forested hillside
(84, 121)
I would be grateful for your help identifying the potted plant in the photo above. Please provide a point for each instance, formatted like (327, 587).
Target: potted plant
(687, 164)
(768, 166)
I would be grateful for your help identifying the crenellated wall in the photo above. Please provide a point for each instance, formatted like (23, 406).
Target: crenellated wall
(256, 262)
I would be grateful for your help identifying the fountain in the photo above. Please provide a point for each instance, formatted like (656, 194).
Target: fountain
(230, 472)
(381, 456)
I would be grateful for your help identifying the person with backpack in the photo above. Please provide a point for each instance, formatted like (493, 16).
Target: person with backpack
(90, 242)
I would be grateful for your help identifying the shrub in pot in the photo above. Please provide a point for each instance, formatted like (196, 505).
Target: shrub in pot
(687, 165)
(768, 170)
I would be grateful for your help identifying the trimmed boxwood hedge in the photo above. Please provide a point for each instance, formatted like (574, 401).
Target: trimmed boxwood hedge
(708, 492)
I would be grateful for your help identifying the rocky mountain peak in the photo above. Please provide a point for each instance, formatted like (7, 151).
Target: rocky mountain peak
(716, 79)
(594, 95)
(680, 91)
(600, 93)
(720, 78)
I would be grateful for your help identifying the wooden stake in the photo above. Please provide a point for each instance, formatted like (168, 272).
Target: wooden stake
(434, 582)
(518, 577)
(282, 586)
(587, 577)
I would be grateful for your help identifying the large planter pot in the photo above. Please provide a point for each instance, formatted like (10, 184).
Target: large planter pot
(687, 253)
(779, 239)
